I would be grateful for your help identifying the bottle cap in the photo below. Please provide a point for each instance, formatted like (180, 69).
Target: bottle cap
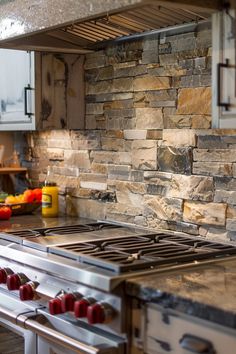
(50, 184)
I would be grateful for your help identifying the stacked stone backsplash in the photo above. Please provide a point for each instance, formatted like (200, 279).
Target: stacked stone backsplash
(148, 156)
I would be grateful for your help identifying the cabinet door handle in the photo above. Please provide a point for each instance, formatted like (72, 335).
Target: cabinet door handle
(26, 89)
(220, 66)
(196, 344)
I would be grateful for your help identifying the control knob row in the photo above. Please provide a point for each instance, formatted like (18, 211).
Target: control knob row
(18, 281)
(96, 312)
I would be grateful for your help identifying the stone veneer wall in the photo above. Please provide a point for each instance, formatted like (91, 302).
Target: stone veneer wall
(148, 156)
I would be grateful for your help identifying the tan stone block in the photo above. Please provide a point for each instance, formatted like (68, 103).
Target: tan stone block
(78, 159)
(178, 138)
(212, 168)
(149, 118)
(154, 134)
(164, 208)
(124, 209)
(93, 181)
(94, 108)
(191, 187)
(205, 213)
(146, 83)
(91, 209)
(216, 155)
(56, 135)
(201, 122)
(134, 134)
(99, 168)
(194, 101)
(112, 144)
(144, 154)
(119, 134)
(111, 157)
(62, 143)
(55, 153)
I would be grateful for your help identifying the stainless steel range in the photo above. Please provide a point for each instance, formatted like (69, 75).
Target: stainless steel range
(62, 288)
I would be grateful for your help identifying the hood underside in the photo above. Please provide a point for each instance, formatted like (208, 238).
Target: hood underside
(93, 31)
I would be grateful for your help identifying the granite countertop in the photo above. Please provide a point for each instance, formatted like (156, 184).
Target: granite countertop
(33, 221)
(205, 291)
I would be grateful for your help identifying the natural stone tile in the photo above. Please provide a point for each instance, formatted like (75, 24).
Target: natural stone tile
(66, 171)
(191, 187)
(56, 153)
(112, 144)
(135, 134)
(94, 108)
(205, 213)
(158, 183)
(119, 104)
(201, 122)
(144, 154)
(136, 176)
(120, 172)
(216, 142)
(124, 209)
(226, 183)
(112, 86)
(89, 140)
(154, 134)
(92, 209)
(212, 168)
(213, 234)
(123, 158)
(176, 137)
(149, 83)
(99, 168)
(90, 122)
(164, 208)
(181, 226)
(231, 212)
(149, 118)
(130, 193)
(231, 225)
(217, 155)
(78, 159)
(93, 181)
(223, 196)
(60, 143)
(176, 160)
(194, 101)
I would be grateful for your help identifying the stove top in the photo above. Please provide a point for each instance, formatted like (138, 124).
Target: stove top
(119, 249)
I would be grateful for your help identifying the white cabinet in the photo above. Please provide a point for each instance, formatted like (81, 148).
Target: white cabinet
(17, 108)
(224, 69)
(41, 90)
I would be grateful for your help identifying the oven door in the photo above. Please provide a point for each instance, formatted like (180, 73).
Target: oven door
(54, 334)
(58, 335)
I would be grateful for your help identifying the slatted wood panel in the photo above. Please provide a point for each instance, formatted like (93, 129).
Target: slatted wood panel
(10, 342)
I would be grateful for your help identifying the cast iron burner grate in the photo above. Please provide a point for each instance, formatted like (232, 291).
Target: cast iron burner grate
(137, 252)
(19, 235)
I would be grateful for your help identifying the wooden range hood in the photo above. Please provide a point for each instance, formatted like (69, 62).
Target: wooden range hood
(78, 26)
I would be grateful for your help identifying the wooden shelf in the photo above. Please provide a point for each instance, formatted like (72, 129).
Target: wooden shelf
(8, 170)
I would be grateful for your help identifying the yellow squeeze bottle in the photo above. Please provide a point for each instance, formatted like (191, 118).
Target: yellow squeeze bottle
(50, 200)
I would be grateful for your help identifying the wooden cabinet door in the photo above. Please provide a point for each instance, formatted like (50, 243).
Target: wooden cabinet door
(59, 91)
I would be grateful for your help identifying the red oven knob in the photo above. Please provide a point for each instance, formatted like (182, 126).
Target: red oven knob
(27, 291)
(81, 307)
(96, 313)
(68, 300)
(4, 272)
(14, 281)
(55, 306)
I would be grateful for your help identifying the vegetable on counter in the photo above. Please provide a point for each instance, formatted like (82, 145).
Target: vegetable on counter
(5, 213)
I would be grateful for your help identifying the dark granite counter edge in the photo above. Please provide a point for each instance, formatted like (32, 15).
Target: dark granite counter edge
(181, 304)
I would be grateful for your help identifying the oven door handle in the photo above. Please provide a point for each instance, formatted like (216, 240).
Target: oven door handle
(61, 339)
(33, 324)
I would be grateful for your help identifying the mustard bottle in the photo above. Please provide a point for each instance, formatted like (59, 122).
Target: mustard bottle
(50, 200)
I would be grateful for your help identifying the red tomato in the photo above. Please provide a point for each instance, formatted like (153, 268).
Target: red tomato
(5, 213)
(28, 196)
(37, 194)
